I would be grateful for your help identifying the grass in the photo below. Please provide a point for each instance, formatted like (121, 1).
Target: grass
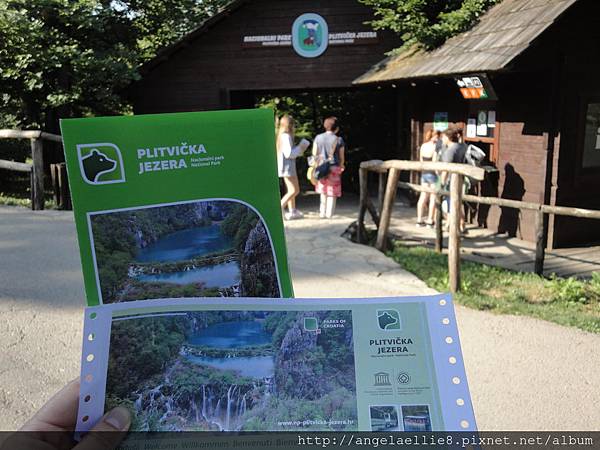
(11, 200)
(565, 301)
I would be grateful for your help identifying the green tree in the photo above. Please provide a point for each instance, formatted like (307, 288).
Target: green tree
(73, 58)
(62, 58)
(158, 23)
(428, 23)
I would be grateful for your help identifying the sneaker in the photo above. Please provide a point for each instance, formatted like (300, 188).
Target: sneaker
(293, 215)
(420, 224)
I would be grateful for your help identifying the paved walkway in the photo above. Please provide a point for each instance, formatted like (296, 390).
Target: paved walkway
(524, 374)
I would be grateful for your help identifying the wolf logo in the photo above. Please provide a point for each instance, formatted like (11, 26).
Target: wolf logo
(101, 163)
(96, 163)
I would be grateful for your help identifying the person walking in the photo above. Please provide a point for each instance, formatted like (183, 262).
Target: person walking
(455, 152)
(286, 166)
(429, 179)
(328, 146)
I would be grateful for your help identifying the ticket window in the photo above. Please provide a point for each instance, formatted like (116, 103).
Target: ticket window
(590, 157)
(483, 129)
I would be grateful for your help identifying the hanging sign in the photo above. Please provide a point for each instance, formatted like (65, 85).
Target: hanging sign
(476, 87)
(440, 121)
(310, 37)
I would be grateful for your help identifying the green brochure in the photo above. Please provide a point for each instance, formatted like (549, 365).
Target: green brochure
(181, 205)
(377, 364)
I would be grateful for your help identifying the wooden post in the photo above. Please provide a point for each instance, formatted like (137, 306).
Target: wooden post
(539, 243)
(37, 193)
(63, 181)
(386, 210)
(55, 184)
(381, 191)
(456, 186)
(439, 235)
(364, 196)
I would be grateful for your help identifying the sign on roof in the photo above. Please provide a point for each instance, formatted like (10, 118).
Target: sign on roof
(310, 37)
(476, 87)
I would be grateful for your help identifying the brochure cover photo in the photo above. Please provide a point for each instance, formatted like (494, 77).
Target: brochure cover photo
(274, 365)
(179, 205)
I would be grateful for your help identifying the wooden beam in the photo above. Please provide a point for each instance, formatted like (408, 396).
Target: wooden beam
(37, 193)
(456, 187)
(12, 165)
(63, 182)
(381, 190)
(386, 212)
(364, 195)
(439, 235)
(476, 173)
(29, 134)
(540, 244)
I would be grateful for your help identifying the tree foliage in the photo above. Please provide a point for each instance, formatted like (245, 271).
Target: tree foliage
(65, 58)
(158, 23)
(428, 23)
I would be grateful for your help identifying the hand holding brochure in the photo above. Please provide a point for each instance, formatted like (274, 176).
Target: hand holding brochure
(385, 364)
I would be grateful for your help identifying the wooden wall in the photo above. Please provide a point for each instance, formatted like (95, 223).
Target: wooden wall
(522, 136)
(575, 44)
(541, 99)
(202, 75)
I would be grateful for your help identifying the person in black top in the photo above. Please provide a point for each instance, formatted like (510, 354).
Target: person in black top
(455, 152)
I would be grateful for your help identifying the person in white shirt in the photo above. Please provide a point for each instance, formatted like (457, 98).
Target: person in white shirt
(286, 166)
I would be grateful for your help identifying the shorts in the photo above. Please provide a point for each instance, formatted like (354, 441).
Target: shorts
(429, 178)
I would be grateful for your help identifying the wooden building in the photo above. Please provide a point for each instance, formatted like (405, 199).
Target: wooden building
(537, 61)
(247, 48)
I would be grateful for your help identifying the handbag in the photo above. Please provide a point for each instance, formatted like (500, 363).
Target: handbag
(310, 175)
(323, 169)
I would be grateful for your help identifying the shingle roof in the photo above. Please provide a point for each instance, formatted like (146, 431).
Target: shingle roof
(502, 34)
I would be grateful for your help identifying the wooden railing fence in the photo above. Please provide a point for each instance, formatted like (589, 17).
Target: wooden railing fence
(389, 174)
(36, 169)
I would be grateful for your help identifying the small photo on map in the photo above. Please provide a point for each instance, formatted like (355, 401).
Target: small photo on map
(416, 417)
(384, 418)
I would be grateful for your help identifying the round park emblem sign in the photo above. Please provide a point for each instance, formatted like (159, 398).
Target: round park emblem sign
(310, 35)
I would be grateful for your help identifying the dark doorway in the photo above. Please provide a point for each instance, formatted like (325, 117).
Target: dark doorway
(368, 122)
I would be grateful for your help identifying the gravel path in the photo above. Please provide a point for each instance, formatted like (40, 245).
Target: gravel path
(524, 374)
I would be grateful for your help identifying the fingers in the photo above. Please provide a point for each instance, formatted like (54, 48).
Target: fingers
(108, 432)
(60, 413)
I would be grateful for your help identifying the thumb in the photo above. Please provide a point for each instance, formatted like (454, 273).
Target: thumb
(108, 432)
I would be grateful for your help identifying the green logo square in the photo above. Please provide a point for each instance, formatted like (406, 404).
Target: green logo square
(311, 324)
(389, 319)
(100, 163)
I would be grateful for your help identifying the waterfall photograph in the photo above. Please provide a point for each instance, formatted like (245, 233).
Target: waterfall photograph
(234, 371)
(213, 248)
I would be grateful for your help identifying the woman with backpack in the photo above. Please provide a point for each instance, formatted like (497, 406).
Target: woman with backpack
(328, 150)
(455, 152)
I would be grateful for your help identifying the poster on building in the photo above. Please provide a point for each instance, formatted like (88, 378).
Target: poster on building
(491, 119)
(482, 128)
(472, 128)
(440, 121)
(387, 364)
(171, 206)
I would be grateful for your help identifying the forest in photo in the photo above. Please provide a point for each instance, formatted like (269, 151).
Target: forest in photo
(199, 249)
(234, 371)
